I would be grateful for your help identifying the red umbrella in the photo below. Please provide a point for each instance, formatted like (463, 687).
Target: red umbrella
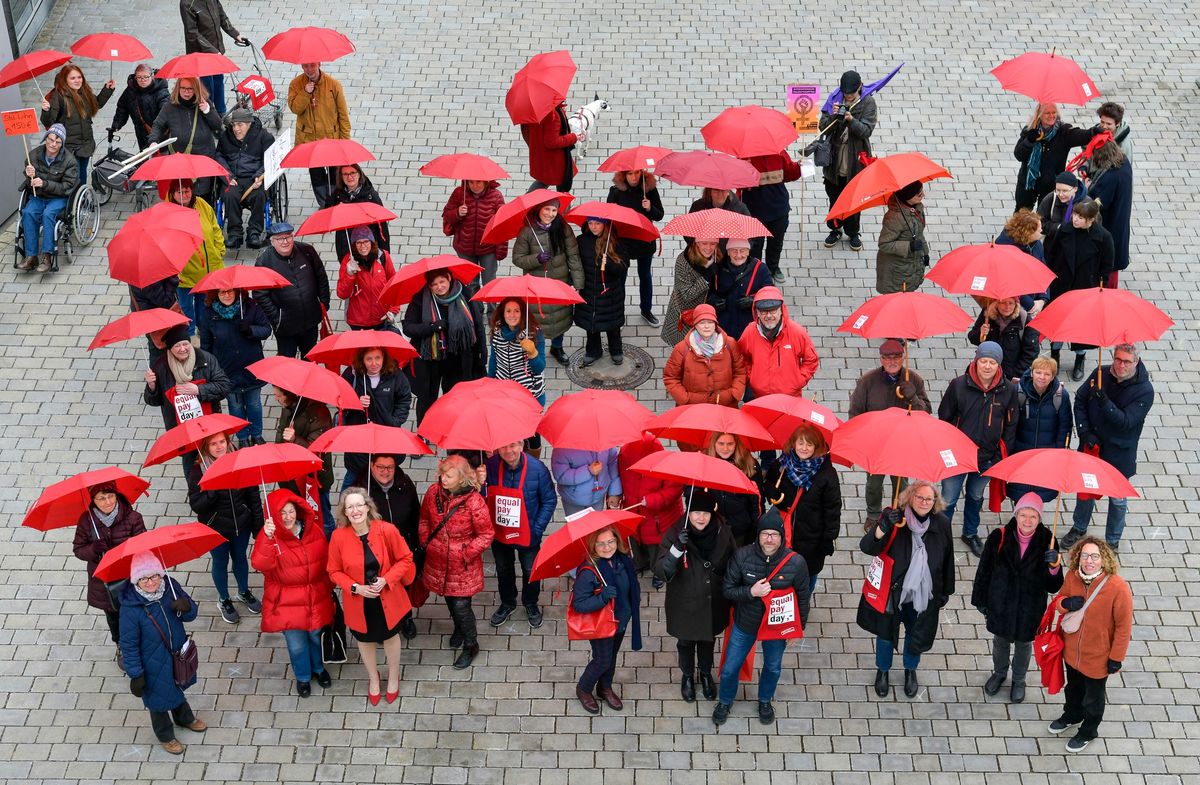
(543, 291)
(136, 324)
(370, 438)
(344, 216)
(410, 278)
(747, 131)
(197, 64)
(565, 549)
(481, 415)
(326, 152)
(703, 169)
(539, 87)
(241, 276)
(906, 444)
(632, 158)
(301, 45)
(781, 414)
(179, 166)
(594, 420)
(154, 244)
(464, 166)
(343, 348)
(306, 380)
(259, 465)
(184, 437)
(716, 224)
(512, 216)
(1101, 317)
(630, 224)
(990, 270)
(171, 545)
(111, 47)
(31, 66)
(906, 315)
(695, 468)
(695, 423)
(61, 504)
(1063, 470)
(1046, 78)
(874, 185)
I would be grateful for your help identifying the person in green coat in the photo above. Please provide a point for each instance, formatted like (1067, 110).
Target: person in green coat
(73, 104)
(903, 254)
(546, 247)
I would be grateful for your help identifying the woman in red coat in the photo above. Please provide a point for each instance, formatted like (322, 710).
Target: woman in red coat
(290, 552)
(550, 144)
(706, 366)
(455, 529)
(370, 562)
(464, 218)
(660, 499)
(365, 270)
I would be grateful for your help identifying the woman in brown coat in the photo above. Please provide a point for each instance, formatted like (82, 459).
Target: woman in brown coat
(706, 366)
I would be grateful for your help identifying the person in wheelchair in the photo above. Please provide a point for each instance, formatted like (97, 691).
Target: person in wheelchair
(51, 176)
(241, 149)
(141, 101)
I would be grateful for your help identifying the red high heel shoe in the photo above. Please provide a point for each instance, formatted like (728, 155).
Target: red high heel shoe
(373, 698)
(391, 696)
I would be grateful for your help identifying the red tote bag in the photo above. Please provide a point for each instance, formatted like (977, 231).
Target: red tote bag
(591, 626)
(877, 585)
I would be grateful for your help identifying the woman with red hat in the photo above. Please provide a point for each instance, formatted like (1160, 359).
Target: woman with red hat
(706, 366)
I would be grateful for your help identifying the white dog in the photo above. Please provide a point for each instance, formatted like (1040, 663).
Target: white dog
(584, 122)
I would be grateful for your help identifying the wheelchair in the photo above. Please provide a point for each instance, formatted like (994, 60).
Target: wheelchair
(77, 225)
(276, 209)
(110, 175)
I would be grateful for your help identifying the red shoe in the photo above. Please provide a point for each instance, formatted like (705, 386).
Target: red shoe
(391, 696)
(373, 698)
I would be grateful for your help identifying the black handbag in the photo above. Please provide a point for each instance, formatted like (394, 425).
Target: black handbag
(821, 152)
(115, 589)
(333, 635)
(419, 552)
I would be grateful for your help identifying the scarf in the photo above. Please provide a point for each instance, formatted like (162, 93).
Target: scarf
(1087, 579)
(226, 311)
(706, 348)
(704, 539)
(107, 520)
(365, 262)
(459, 337)
(800, 471)
(887, 376)
(182, 371)
(1034, 170)
(918, 582)
(153, 596)
(770, 334)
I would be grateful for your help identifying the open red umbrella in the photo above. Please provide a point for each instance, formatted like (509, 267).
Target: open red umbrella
(565, 549)
(695, 423)
(695, 468)
(370, 438)
(61, 504)
(410, 278)
(179, 166)
(136, 324)
(747, 131)
(630, 224)
(633, 158)
(171, 545)
(343, 348)
(197, 64)
(184, 437)
(481, 415)
(906, 315)
(594, 420)
(990, 270)
(1046, 78)
(154, 244)
(1101, 317)
(703, 169)
(240, 276)
(464, 166)
(781, 414)
(533, 288)
(326, 152)
(301, 45)
(259, 465)
(344, 216)
(716, 224)
(113, 47)
(306, 380)
(539, 87)
(905, 444)
(30, 66)
(874, 185)
(512, 216)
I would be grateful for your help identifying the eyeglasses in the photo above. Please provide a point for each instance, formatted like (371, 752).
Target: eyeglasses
(147, 578)
(1089, 557)
(606, 543)
(1124, 361)
(926, 499)
(355, 506)
(183, 89)
(350, 173)
(776, 535)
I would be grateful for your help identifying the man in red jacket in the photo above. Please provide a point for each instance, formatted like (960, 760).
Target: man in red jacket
(779, 355)
(550, 144)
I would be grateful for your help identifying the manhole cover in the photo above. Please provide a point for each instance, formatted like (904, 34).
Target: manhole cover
(603, 375)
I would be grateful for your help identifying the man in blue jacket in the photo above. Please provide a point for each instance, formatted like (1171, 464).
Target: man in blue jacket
(525, 483)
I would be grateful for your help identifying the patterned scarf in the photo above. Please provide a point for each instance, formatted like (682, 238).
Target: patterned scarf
(1034, 170)
(800, 471)
(459, 336)
(706, 348)
(226, 311)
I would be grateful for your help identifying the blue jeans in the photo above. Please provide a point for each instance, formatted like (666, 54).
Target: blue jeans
(40, 214)
(215, 85)
(192, 306)
(83, 162)
(246, 402)
(737, 648)
(1114, 525)
(236, 547)
(884, 649)
(952, 488)
(304, 649)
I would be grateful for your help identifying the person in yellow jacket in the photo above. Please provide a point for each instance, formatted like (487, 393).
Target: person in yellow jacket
(210, 256)
(319, 103)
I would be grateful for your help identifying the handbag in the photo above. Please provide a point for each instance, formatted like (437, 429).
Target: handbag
(185, 662)
(594, 625)
(1048, 650)
(1072, 620)
(114, 590)
(333, 635)
(821, 152)
(877, 585)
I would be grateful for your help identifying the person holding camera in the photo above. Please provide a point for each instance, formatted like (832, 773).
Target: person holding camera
(903, 255)
(848, 129)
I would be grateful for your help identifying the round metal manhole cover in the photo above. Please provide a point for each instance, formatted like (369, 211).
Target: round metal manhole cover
(603, 375)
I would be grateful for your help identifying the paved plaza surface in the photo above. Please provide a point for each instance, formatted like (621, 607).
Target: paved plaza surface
(430, 78)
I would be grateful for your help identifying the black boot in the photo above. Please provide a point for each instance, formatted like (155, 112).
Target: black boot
(467, 656)
(882, 688)
(687, 687)
(1077, 371)
(911, 687)
(707, 688)
(1056, 355)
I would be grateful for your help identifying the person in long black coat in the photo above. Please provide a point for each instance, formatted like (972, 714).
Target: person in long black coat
(604, 274)
(739, 511)
(1110, 182)
(447, 330)
(1081, 256)
(736, 280)
(638, 190)
(913, 604)
(386, 395)
(233, 331)
(1042, 149)
(1019, 569)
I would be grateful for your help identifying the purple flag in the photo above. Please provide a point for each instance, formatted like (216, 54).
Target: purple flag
(836, 95)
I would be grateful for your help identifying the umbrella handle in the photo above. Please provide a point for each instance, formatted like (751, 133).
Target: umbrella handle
(292, 421)
(92, 518)
(597, 569)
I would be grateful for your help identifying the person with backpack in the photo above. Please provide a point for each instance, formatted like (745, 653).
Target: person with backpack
(1044, 418)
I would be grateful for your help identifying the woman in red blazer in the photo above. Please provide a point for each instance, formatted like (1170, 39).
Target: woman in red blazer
(290, 552)
(370, 562)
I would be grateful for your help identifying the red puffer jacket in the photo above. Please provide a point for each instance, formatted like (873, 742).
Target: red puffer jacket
(663, 499)
(362, 290)
(467, 230)
(454, 558)
(297, 592)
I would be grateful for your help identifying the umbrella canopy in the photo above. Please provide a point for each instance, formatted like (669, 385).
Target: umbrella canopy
(306, 380)
(326, 152)
(695, 468)
(154, 244)
(543, 291)
(594, 420)
(875, 184)
(703, 169)
(485, 414)
(464, 166)
(1101, 317)
(566, 548)
(836, 96)
(61, 504)
(1063, 470)
(410, 278)
(240, 276)
(301, 45)
(184, 437)
(370, 438)
(909, 315)
(179, 166)
(906, 444)
(112, 47)
(781, 414)
(259, 465)
(171, 545)
(197, 64)
(539, 87)
(1046, 78)
(990, 270)
(136, 324)
(630, 224)
(716, 224)
(31, 66)
(747, 131)
(344, 216)
(695, 423)
(343, 348)
(512, 215)
(632, 158)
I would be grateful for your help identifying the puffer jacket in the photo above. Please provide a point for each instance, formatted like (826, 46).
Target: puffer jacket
(366, 193)
(576, 485)
(294, 309)
(454, 558)
(208, 375)
(784, 365)
(733, 291)
(622, 194)
(297, 592)
(771, 202)
(203, 21)
(195, 135)
(541, 500)
(234, 349)
(362, 289)
(1013, 588)
(1116, 422)
(603, 292)
(80, 139)
(142, 648)
(692, 378)
(1041, 422)
(399, 505)
(210, 256)
(93, 539)
(900, 266)
(321, 114)
(467, 230)
(748, 566)
(741, 511)
(695, 606)
(227, 512)
(141, 105)
(565, 266)
(244, 157)
(1106, 629)
(59, 177)
(1018, 340)
(987, 417)
(664, 503)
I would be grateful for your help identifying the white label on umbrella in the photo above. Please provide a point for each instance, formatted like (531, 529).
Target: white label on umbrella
(817, 417)
(1089, 481)
(649, 163)
(978, 282)
(948, 458)
(114, 53)
(860, 321)
(1087, 89)
(580, 514)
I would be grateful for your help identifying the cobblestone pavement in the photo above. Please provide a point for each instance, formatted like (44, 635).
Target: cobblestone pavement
(430, 78)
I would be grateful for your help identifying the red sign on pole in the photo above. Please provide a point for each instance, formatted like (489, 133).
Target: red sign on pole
(259, 89)
(19, 122)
